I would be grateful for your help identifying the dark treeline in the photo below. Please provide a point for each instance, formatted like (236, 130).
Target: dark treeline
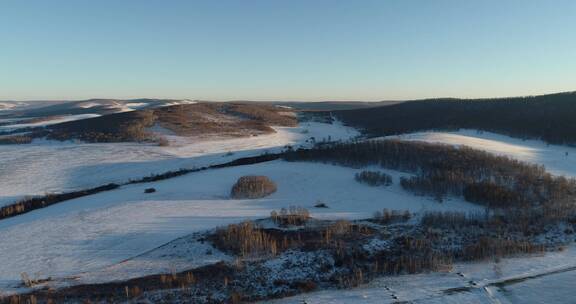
(548, 117)
(29, 204)
(441, 170)
(15, 139)
(373, 178)
(391, 216)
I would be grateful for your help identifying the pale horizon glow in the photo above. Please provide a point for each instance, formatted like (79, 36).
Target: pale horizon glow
(366, 50)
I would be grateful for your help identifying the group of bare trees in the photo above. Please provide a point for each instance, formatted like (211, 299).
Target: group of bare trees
(291, 216)
(443, 170)
(253, 187)
(15, 139)
(373, 178)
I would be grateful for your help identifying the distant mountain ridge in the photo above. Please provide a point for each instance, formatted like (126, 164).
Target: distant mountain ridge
(89, 106)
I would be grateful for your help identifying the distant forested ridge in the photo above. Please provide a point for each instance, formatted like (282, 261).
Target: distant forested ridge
(551, 118)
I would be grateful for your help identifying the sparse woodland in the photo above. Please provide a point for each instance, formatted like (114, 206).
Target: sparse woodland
(224, 119)
(202, 119)
(127, 126)
(15, 139)
(522, 197)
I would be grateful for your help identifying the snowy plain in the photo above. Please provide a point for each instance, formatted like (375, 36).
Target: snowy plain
(51, 166)
(106, 228)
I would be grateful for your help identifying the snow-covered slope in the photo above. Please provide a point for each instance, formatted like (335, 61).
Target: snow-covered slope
(50, 166)
(558, 159)
(92, 232)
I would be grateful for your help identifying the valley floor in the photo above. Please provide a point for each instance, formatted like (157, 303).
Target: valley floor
(52, 166)
(126, 233)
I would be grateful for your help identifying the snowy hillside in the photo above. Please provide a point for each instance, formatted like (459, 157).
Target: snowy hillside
(557, 159)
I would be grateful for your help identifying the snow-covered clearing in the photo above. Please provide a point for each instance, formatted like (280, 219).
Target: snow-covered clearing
(96, 231)
(50, 166)
(557, 159)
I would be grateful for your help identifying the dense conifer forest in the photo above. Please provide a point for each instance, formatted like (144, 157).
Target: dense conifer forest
(551, 118)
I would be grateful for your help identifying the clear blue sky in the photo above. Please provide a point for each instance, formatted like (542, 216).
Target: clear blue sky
(286, 50)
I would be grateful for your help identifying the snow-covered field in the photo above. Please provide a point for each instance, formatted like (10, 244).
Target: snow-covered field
(51, 166)
(120, 234)
(89, 233)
